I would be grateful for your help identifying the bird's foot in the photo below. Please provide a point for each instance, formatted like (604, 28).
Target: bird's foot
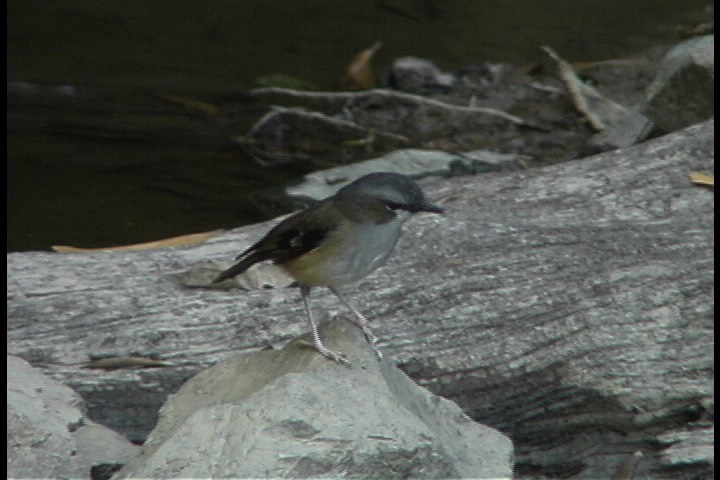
(372, 340)
(359, 320)
(326, 352)
(369, 335)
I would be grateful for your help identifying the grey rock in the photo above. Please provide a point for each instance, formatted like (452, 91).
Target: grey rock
(48, 434)
(413, 74)
(624, 131)
(415, 163)
(569, 307)
(290, 413)
(683, 91)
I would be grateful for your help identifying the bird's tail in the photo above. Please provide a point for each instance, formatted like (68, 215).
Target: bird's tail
(246, 261)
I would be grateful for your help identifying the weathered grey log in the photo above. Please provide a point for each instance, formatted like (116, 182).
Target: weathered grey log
(293, 414)
(571, 307)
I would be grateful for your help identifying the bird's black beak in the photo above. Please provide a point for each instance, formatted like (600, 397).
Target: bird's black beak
(429, 207)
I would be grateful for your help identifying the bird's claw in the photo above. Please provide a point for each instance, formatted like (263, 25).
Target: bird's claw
(326, 352)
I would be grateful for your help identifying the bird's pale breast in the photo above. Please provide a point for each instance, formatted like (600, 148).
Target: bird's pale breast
(348, 255)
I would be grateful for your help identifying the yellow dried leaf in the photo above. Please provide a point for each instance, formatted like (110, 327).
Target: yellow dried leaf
(180, 241)
(580, 93)
(359, 75)
(702, 179)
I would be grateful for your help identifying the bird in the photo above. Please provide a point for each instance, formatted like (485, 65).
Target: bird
(338, 241)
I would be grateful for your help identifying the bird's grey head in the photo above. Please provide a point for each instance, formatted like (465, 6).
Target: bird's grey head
(397, 192)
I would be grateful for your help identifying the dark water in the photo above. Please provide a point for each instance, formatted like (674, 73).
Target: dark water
(98, 155)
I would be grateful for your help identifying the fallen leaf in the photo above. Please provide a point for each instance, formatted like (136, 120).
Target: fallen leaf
(360, 75)
(598, 110)
(114, 363)
(702, 179)
(180, 241)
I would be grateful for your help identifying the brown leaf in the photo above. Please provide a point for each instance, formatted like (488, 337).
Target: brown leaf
(180, 241)
(114, 363)
(598, 110)
(359, 75)
(702, 179)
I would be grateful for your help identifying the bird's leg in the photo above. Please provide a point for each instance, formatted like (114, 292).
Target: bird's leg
(317, 343)
(360, 321)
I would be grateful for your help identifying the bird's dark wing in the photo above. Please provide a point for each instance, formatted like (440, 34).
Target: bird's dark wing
(289, 239)
(250, 259)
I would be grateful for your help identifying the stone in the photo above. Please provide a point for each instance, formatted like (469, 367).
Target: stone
(48, 434)
(683, 91)
(415, 163)
(291, 413)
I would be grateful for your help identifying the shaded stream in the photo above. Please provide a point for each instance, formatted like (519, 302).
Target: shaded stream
(98, 155)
